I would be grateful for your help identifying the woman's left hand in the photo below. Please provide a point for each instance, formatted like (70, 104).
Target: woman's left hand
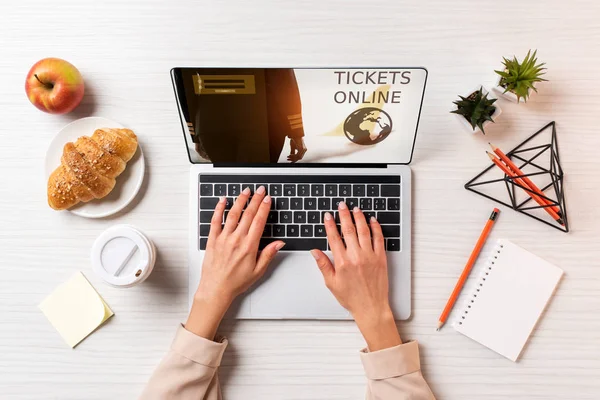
(232, 262)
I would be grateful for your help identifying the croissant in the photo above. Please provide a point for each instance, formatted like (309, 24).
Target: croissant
(89, 166)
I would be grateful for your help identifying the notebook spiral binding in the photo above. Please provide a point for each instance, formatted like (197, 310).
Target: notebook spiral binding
(484, 275)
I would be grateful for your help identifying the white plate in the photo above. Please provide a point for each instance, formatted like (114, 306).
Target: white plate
(128, 183)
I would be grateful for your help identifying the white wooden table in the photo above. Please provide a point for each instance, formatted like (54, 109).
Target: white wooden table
(125, 49)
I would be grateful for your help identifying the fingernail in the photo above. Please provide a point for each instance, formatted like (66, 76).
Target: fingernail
(260, 190)
(373, 219)
(342, 205)
(356, 209)
(315, 254)
(279, 246)
(246, 191)
(222, 199)
(267, 199)
(327, 216)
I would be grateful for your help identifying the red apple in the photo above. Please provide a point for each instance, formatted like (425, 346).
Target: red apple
(54, 86)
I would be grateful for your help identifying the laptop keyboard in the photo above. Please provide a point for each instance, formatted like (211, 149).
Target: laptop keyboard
(300, 202)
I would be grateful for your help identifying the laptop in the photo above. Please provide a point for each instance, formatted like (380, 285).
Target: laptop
(313, 137)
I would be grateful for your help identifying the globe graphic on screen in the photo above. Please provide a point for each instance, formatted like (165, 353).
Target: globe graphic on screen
(368, 126)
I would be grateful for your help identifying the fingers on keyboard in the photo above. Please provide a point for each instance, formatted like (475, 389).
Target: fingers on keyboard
(297, 209)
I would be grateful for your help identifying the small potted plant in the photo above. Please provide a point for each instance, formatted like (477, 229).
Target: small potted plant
(476, 110)
(517, 80)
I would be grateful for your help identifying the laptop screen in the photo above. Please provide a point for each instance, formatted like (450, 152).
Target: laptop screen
(285, 115)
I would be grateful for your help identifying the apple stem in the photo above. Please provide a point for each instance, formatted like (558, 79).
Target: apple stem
(48, 85)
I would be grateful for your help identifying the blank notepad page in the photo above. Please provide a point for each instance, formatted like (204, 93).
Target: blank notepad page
(509, 298)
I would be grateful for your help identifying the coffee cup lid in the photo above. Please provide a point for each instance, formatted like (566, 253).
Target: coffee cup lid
(121, 255)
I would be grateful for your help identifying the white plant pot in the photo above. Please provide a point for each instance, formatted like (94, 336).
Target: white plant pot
(467, 125)
(499, 90)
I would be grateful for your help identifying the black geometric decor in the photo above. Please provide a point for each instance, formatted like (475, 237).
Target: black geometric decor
(537, 157)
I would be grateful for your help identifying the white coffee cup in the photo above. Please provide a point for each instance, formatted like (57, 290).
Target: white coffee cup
(123, 256)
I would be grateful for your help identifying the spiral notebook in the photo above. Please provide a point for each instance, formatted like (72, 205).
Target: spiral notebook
(508, 299)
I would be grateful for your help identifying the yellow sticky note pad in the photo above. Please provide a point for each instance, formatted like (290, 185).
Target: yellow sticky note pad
(75, 309)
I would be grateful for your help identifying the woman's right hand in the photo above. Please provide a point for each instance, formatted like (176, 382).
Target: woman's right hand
(358, 276)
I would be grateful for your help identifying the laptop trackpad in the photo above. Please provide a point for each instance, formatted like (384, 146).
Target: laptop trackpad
(294, 288)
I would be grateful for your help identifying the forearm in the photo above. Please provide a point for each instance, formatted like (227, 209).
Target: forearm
(188, 370)
(395, 373)
(206, 315)
(379, 329)
(393, 368)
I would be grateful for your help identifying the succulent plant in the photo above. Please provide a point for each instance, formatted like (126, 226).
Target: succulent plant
(476, 108)
(519, 78)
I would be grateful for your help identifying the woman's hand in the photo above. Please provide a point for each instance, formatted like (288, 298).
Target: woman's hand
(358, 277)
(231, 262)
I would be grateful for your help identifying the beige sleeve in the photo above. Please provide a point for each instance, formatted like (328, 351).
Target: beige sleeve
(188, 371)
(395, 374)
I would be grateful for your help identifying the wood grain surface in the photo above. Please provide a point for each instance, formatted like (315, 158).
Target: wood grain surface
(125, 49)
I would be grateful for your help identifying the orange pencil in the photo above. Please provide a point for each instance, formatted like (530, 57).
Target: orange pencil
(467, 270)
(520, 181)
(526, 179)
